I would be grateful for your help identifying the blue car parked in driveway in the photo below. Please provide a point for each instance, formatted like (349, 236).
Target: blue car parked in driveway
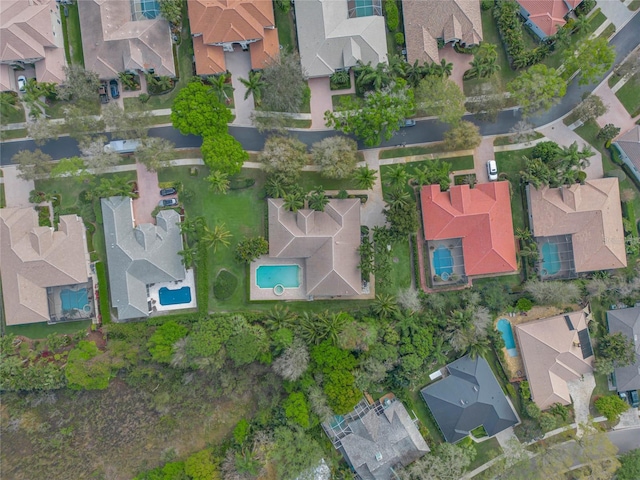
(113, 87)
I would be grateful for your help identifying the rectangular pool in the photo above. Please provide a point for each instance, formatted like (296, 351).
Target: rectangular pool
(174, 297)
(74, 300)
(268, 276)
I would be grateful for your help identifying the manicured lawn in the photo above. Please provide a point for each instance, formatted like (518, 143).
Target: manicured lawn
(286, 29)
(457, 163)
(491, 35)
(608, 31)
(633, 6)
(3, 201)
(400, 277)
(56, 108)
(42, 330)
(12, 134)
(14, 115)
(311, 180)
(72, 35)
(411, 151)
(507, 140)
(336, 100)
(485, 451)
(511, 163)
(629, 95)
(422, 412)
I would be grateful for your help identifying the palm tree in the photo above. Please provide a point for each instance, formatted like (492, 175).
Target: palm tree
(8, 102)
(292, 202)
(220, 87)
(414, 73)
(398, 177)
(275, 187)
(218, 236)
(377, 78)
(310, 329)
(479, 347)
(339, 78)
(191, 225)
(524, 234)
(218, 181)
(165, 82)
(362, 71)
(421, 176)
(384, 306)
(279, 317)
(582, 23)
(317, 200)
(438, 353)
(189, 256)
(255, 85)
(398, 197)
(445, 68)
(365, 177)
(397, 66)
(332, 325)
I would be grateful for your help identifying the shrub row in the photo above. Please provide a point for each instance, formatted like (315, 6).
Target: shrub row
(202, 279)
(630, 213)
(392, 14)
(103, 292)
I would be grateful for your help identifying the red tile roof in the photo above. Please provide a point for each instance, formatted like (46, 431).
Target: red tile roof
(481, 217)
(548, 15)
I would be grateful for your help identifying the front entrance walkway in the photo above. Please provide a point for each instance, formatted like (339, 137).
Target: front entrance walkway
(16, 190)
(239, 64)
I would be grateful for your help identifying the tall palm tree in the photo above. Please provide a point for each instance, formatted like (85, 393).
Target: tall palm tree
(479, 347)
(414, 73)
(398, 177)
(218, 236)
(365, 177)
(279, 317)
(446, 68)
(276, 186)
(332, 325)
(398, 197)
(220, 87)
(292, 202)
(384, 306)
(397, 66)
(255, 86)
(581, 23)
(377, 78)
(218, 181)
(317, 200)
(189, 256)
(362, 71)
(421, 176)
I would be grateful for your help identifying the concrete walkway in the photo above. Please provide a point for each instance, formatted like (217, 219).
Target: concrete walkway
(616, 12)
(564, 136)
(320, 101)
(16, 190)
(371, 212)
(580, 391)
(617, 114)
(239, 64)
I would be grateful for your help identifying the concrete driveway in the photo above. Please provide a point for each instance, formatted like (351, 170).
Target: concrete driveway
(149, 195)
(580, 391)
(461, 63)
(16, 190)
(239, 64)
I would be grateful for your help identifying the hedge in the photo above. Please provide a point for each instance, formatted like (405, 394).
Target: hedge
(202, 279)
(619, 174)
(399, 38)
(392, 14)
(103, 292)
(225, 284)
(630, 213)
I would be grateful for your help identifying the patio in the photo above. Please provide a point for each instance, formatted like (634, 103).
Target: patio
(446, 262)
(71, 302)
(154, 294)
(556, 257)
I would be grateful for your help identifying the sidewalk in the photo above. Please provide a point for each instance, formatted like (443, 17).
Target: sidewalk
(616, 114)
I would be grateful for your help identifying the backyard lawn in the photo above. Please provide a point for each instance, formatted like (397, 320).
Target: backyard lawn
(485, 451)
(286, 29)
(511, 163)
(400, 276)
(42, 330)
(13, 115)
(72, 35)
(629, 95)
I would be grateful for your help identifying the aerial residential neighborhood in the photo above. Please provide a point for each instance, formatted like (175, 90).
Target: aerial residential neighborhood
(320, 239)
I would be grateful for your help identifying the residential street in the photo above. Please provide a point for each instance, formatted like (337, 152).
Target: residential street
(429, 130)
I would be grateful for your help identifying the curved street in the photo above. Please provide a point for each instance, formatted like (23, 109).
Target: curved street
(428, 130)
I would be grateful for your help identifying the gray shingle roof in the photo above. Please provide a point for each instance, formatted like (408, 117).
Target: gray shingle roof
(381, 440)
(139, 256)
(627, 321)
(469, 397)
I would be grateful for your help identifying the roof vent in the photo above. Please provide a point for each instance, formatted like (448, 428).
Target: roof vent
(379, 456)
(475, 389)
(462, 402)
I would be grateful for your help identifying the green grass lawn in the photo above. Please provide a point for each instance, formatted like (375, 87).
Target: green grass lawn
(336, 100)
(507, 140)
(42, 330)
(491, 35)
(311, 180)
(485, 451)
(400, 276)
(511, 163)
(633, 6)
(56, 108)
(464, 162)
(411, 151)
(13, 134)
(608, 31)
(3, 201)
(14, 115)
(72, 35)
(286, 29)
(629, 95)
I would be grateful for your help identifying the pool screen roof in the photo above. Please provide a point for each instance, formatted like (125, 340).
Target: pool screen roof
(481, 217)
(139, 256)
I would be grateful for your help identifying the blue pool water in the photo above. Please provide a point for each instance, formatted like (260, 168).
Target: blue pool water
(364, 8)
(550, 259)
(442, 260)
(73, 299)
(174, 297)
(504, 327)
(268, 276)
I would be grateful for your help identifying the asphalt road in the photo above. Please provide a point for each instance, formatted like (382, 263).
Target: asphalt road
(626, 440)
(425, 131)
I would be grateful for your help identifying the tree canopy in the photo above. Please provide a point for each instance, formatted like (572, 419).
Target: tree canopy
(537, 89)
(440, 97)
(222, 152)
(196, 110)
(336, 156)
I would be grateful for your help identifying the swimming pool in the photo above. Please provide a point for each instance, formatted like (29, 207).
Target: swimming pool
(550, 259)
(504, 327)
(268, 276)
(74, 300)
(442, 261)
(174, 297)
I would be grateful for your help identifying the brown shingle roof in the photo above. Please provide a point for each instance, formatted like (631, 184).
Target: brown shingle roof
(114, 42)
(590, 213)
(33, 258)
(552, 356)
(427, 20)
(328, 241)
(214, 22)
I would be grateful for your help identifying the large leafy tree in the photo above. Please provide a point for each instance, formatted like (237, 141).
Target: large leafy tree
(283, 155)
(537, 89)
(377, 116)
(224, 153)
(440, 97)
(171, 10)
(32, 164)
(462, 136)
(196, 110)
(593, 57)
(630, 469)
(80, 86)
(336, 156)
(126, 124)
(590, 108)
(295, 452)
(284, 87)
(154, 152)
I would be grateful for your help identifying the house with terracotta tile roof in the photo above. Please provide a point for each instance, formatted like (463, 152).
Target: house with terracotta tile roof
(545, 17)
(578, 228)
(555, 351)
(121, 36)
(31, 34)
(450, 21)
(468, 231)
(337, 34)
(628, 146)
(46, 274)
(216, 25)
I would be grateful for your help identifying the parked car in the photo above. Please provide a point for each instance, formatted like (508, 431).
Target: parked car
(165, 192)
(633, 398)
(623, 396)
(492, 170)
(102, 91)
(407, 123)
(168, 202)
(113, 86)
(22, 83)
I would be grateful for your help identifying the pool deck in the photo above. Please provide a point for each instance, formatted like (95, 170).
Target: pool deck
(154, 296)
(257, 293)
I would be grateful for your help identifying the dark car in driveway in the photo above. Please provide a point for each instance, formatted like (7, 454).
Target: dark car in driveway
(168, 202)
(633, 398)
(165, 192)
(113, 87)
